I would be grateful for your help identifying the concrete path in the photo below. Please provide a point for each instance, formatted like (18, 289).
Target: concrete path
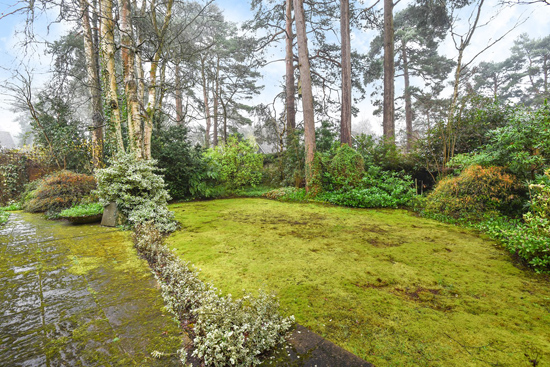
(78, 296)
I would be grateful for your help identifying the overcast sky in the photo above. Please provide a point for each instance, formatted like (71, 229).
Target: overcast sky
(11, 55)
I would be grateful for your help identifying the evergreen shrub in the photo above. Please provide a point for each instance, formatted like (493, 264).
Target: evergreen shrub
(187, 172)
(139, 192)
(474, 192)
(237, 162)
(59, 191)
(345, 169)
(377, 189)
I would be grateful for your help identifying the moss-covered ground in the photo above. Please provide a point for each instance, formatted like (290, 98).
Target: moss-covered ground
(394, 289)
(78, 296)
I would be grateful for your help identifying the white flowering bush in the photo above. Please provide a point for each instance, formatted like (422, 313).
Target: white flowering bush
(139, 192)
(226, 332)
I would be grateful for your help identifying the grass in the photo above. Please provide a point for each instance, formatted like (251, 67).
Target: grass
(3, 217)
(11, 207)
(392, 288)
(82, 210)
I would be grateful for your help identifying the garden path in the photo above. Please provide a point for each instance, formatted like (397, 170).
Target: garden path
(78, 296)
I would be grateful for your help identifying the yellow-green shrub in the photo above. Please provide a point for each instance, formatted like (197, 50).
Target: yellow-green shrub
(476, 191)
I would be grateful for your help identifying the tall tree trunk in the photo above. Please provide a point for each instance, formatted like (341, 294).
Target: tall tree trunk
(224, 108)
(94, 84)
(152, 102)
(345, 115)
(407, 95)
(388, 121)
(307, 93)
(130, 84)
(179, 96)
(206, 106)
(108, 56)
(290, 82)
(216, 99)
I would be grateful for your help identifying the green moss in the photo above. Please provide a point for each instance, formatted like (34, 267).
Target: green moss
(99, 299)
(390, 287)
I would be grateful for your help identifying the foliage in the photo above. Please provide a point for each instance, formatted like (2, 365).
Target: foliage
(82, 210)
(225, 331)
(13, 175)
(467, 132)
(377, 189)
(59, 191)
(378, 152)
(69, 145)
(237, 162)
(286, 194)
(186, 171)
(325, 136)
(476, 191)
(3, 216)
(139, 193)
(522, 146)
(345, 169)
(12, 206)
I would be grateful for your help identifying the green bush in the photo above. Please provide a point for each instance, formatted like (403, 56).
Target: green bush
(345, 169)
(139, 192)
(522, 145)
(377, 189)
(3, 217)
(82, 210)
(474, 192)
(187, 172)
(59, 191)
(237, 162)
(286, 194)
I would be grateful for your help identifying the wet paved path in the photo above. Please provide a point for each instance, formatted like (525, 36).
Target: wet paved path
(78, 296)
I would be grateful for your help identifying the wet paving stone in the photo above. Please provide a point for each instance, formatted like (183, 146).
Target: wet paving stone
(78, 296)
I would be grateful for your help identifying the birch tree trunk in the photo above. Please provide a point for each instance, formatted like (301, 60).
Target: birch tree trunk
(388, 121)
(345, 115)
(94, 84)
(290, 82)
(307, 93)
(108, 56)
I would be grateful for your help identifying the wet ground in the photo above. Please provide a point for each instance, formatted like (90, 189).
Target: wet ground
(78, 296)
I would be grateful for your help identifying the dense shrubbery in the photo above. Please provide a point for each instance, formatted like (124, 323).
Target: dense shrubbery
(139, 193)
(522, 145)
(476, 191)
(237, 163)
(58, 191)
(377, 189)
(345, 170)
(187, 172)
(225, 331)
